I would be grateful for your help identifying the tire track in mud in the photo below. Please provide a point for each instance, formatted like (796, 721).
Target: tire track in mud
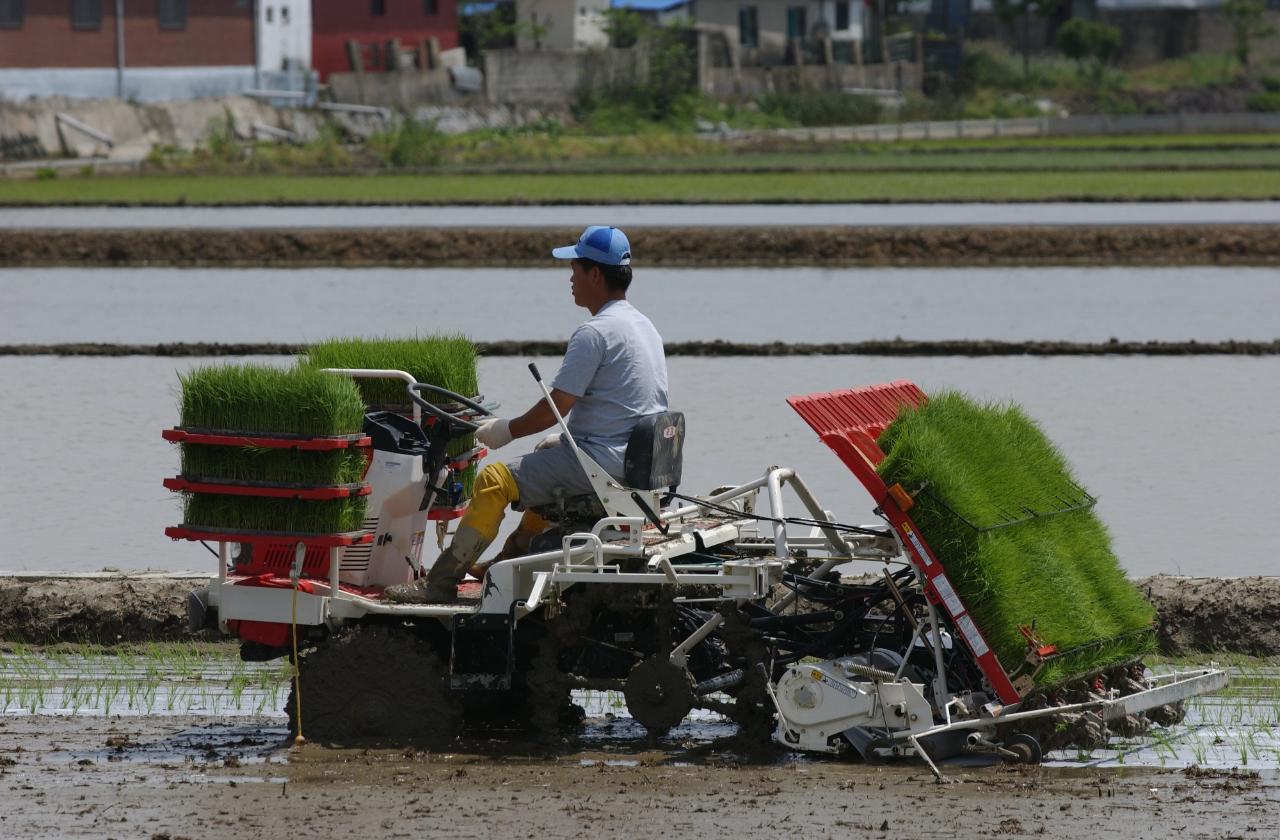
(708, 247)
(895, 347)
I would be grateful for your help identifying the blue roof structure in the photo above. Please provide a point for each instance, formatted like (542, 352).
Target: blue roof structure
(648, 5)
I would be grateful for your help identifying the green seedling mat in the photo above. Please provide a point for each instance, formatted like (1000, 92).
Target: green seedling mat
(1018, 535)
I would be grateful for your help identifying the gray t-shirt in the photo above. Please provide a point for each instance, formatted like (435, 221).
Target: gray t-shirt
(616, 367)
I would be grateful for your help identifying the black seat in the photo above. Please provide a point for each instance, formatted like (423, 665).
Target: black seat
(655, 452)
(653, 461)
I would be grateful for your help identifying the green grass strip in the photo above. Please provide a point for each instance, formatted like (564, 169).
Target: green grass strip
(608, 188)
(981, 465)
(280, 466)
(252, 514)
(260, 398)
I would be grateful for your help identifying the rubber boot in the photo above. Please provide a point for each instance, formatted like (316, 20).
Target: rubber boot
(440, 586)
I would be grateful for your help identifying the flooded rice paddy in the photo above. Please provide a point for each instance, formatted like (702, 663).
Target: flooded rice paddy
(1200, 303)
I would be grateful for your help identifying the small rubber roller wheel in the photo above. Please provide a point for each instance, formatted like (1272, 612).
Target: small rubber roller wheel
(1025, 748)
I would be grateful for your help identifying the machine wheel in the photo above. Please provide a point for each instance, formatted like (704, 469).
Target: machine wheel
(659, 694)
(1025, 747)
(376, 684)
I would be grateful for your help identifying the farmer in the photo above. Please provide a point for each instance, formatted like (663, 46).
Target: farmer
(614, 373)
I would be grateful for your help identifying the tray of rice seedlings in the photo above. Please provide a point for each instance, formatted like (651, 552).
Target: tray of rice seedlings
(446, 361)
(290, 517)
(246, 465)
(252, 399)
(1018, 536)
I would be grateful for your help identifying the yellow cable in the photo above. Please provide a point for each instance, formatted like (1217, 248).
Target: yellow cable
(297, 673)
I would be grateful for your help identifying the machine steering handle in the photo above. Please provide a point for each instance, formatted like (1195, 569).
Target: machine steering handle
(438, 412)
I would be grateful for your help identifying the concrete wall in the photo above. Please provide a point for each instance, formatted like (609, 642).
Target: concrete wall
(557, 76)
(407, 90)
(144, 84)
(134, 128)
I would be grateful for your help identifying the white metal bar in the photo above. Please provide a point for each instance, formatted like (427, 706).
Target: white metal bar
(272, 131)
(72, 122)
(258, 93)
(681, 653)
(376, 373)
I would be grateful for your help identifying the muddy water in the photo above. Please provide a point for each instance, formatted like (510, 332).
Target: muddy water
(1039, 213)
(1182, 452)
(242, 707)
(748, 305)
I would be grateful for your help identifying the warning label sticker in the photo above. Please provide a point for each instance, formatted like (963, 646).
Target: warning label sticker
(917, 545)
(972, 636)
(948, 595)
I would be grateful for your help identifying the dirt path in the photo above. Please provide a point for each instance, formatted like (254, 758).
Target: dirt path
(705, 247)
(182, 777)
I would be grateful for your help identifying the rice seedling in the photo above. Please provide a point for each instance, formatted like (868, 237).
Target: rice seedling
(259, 398)
(293, 516)
(1000, 507)
(280, 466)
(447, 361)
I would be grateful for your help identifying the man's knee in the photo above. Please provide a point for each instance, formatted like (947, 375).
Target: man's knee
(496, 479)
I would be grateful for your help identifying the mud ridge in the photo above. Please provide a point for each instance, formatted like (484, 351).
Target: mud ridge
(895, 347)
(692, 247)
(1196, 614)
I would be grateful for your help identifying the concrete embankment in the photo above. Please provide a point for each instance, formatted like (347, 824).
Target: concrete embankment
(694, 247)
(1196, 614)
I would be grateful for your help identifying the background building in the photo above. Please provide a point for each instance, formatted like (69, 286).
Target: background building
(372, 25)
(158, 49)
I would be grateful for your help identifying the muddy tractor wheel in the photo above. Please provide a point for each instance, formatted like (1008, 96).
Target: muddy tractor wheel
(375, 685)
(659, 694)
(1025, 748)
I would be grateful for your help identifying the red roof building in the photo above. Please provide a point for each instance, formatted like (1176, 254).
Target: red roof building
(373, 24)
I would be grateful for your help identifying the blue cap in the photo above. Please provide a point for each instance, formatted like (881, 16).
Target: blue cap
(600, 243)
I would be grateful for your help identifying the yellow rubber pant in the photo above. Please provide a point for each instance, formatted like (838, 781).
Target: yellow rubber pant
(495, 488)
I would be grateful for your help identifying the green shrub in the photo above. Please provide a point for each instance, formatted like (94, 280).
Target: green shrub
(982, 466)
(258, 398)
(46, 173)
(1266, 101)
(819, 108)
(410, 144)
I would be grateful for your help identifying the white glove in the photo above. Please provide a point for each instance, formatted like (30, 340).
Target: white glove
(495, 433)
(548, 442)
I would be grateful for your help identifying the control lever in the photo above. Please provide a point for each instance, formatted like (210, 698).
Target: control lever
(649, 514)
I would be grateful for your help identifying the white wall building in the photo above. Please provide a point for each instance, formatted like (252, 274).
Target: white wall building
(560, 24)
(284, 35)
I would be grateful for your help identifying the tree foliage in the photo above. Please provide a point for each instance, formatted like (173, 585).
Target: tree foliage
(1248, 23)
(1091, 44)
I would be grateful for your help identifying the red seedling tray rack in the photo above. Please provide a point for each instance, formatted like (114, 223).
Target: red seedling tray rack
(204, 533)
(262, 489)
(849, 422)
(224, 437)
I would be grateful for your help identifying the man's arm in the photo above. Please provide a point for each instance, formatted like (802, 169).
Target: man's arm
(539, 417)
